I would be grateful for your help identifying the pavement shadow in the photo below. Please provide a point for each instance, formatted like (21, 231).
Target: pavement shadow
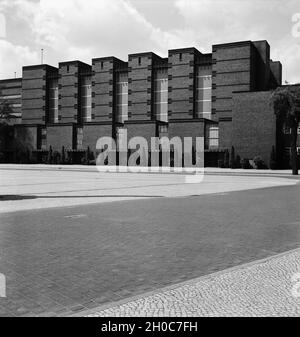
(99, 196)
(24, 197)
(16, 197)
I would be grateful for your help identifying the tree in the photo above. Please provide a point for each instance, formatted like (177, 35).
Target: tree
(273, 159)
(232, 158)
(226, 158)
(286, 104)
(6, 111)
(5, 115)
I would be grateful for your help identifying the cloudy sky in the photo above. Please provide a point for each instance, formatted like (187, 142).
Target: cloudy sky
(83, 29)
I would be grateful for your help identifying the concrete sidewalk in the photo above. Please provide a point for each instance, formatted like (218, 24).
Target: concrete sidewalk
(261, 288)
(28, 187)
(92, 168)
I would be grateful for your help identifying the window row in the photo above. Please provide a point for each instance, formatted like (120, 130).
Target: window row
(203, 96)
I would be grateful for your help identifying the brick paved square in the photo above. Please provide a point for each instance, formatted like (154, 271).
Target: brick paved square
(58, 263)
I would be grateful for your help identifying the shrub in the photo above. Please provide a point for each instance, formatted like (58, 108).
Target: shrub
(259, 163)
(238, 162)
(63, 155)
(2, 157)
(232, 158)
(56, 158)
(50, 155)
(273, 161)
(221, 163)
(245, 163)
(226, 159)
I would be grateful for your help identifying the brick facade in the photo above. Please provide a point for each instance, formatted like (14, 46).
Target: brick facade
(254, 125)
(242, 74)
(93, 131)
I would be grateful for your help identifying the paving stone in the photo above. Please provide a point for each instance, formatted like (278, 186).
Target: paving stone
(259, 289)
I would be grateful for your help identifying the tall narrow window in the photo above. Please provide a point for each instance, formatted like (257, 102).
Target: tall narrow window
(53, 100)
(122, 97)
(204, 90)
(79, 138)
(44, 139)
(161, 95)
(86, 98)
(212, 137)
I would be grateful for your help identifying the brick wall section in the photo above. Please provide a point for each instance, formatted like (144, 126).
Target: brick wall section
(276, 71)
(225, 133)
(187, 128)
(182, 80)
(254, 125)
(142, 129)
(69, 90)
(231, 72)
(59, 136)
(193, 128)
(261, 66)
(9, 90)
(103, 88)
(92, 132)
(34, 93)
(140, 86)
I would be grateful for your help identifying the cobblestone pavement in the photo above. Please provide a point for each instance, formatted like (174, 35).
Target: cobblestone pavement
(61, 261)
(263, 288)
(64, 260)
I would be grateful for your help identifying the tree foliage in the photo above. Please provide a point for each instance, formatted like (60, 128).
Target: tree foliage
(286, 104)
(6, 111)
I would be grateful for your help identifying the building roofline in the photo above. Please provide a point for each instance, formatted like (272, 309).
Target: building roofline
(38, 66)
(106, 58)
(185, 50)
(11, 80)
(149, 53)
(272, 61)
(232, 44)
(262, 41)
(73, 62)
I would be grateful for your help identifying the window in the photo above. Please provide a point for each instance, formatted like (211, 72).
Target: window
(122, 97)
(212, 137)
(86, 98)
(53, 100)
(44, 139)
(287, 152)
(79, 138)
(286, 129)
(180, 57)
(204, 90)
(163, 129)
(161, 95)
(140, 61)
(11, 97)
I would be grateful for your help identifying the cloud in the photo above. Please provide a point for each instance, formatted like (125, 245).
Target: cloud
(221, 21)
(81, 29)
(73, 29)
(13, 57)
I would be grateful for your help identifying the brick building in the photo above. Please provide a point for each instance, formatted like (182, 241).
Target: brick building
(222, 95)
